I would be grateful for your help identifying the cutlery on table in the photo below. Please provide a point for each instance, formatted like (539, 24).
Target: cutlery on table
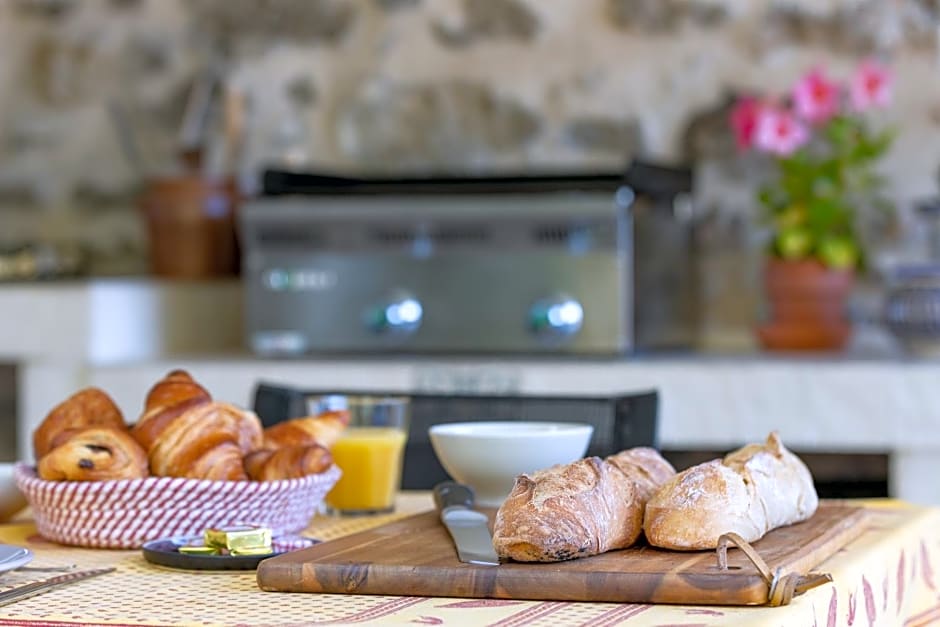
(468, 527)
(28, 590)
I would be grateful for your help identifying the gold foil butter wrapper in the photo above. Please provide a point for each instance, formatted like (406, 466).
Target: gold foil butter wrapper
(261, 550)
(197, 549)
(240, 539)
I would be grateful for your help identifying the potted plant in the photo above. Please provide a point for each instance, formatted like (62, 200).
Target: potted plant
(824, 152)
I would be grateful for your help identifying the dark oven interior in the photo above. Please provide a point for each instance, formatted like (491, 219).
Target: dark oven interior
(619, 421)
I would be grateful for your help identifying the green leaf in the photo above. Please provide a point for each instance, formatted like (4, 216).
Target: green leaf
(839, 251)
(817, 192)
(794, 243)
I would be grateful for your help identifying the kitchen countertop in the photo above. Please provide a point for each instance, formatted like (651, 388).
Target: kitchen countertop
(125, 334)
(885, 575)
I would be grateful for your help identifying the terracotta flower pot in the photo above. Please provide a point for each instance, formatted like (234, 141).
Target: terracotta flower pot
(807, 306)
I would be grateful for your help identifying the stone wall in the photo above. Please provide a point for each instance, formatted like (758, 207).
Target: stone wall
(92, 93)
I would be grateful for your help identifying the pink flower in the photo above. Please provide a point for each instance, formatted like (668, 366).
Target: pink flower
(870, 86)
(779, 132)
(744, 121)
(815, 97)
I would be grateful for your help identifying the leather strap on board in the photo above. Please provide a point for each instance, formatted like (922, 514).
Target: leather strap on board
(782, 587)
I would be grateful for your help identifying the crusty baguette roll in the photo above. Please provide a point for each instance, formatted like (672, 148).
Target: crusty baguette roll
(751, 491)
(90, 407)
(646, 467)
(289, 462)
(587, 507)
(94, 454)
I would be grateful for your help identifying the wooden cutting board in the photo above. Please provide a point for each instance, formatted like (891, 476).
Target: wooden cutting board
(415, 556)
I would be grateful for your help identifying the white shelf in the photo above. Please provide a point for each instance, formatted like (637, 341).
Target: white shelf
(125, 335)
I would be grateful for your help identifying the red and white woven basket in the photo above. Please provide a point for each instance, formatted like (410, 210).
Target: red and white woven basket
(124, 514)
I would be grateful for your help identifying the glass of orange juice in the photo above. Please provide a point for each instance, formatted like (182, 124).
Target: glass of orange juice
(370, 453)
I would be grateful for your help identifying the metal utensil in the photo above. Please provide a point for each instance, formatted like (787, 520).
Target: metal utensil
(32, 589)
(47, 569)
(468, 527)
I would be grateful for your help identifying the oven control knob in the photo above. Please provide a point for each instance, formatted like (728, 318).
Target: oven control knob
(398, 316)
(558, 317)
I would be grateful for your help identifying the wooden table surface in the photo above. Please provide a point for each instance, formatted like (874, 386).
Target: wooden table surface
(885, 577)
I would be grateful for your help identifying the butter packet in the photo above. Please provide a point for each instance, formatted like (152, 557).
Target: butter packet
(247, 539)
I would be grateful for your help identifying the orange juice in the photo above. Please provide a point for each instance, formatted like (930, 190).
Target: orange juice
(371, 459)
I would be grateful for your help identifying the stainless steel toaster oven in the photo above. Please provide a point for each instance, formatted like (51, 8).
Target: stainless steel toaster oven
(489, 266)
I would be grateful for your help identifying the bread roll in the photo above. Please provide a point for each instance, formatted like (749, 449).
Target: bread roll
(751, 491)
(574, 510)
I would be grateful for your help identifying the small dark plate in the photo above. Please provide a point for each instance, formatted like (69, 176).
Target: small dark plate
(165, 552)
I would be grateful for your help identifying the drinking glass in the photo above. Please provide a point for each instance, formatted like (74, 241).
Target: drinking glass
(370, 453)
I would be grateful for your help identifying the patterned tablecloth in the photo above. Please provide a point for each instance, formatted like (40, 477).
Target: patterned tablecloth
(885, 577)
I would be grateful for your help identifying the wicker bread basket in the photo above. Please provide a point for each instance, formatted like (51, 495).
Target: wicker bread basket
(123, 514)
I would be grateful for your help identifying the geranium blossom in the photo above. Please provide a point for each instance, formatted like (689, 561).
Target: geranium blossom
(825, 161)
(815, 97)
(870, 86)
(779, 132)
(744, 121)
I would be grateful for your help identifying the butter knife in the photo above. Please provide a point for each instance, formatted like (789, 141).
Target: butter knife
(468, 527)
(32, 589)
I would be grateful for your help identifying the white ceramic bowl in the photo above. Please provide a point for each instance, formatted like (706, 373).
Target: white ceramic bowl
(12, 499)
(488, 456)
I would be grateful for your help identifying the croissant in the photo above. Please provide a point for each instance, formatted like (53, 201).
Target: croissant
(187, 434)
(86, 408)
(166, 400)
(291, 462)
(323, 429)
(95, 454)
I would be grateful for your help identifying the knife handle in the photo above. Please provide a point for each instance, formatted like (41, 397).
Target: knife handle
(452, 494)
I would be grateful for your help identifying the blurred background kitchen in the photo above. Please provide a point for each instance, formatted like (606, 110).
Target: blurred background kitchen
(160, 203)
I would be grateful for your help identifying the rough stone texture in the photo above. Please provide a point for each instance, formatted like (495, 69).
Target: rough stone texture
(395, 5)
(234, 23)
(443, 126)
(301, 91)
(44, 8)
(865, 27)
(494, 19)
(660, 16)
(606, 135)
(94, 91)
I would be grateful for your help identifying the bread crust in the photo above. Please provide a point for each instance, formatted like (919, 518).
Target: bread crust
(584, 508)
(751, 491)
(646, 467)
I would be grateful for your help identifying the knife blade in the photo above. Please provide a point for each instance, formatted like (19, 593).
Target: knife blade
(32, 589)
(467, 527)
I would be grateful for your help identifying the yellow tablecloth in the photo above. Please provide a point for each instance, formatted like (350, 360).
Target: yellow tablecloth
(885, 577)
